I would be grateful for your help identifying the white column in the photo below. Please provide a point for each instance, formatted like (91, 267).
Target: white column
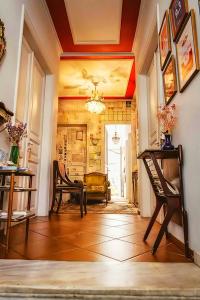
(144, 191)
(44, 193)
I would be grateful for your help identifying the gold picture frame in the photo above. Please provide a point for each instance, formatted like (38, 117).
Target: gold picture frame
(187, 52)
(170, 80)
(2, 40)
(164, 41)
(178, 12)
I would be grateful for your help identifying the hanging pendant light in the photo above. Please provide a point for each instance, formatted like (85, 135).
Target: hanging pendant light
(116, 138)
(95, 104)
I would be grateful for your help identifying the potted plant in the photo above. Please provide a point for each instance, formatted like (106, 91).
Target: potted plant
(16, 132)
(167, 117)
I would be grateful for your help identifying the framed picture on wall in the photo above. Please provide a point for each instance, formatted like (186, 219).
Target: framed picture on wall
(187, 52)
(79, 135)
(178, 12)
(2, 40)
(164, 41)
(169, 80)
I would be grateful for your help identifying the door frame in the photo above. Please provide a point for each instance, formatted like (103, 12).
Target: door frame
(144, 187)
(50, 93)
(105, 157)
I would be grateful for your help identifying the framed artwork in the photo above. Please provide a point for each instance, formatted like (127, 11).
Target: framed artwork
(187, 52)
(178, 12)
(169, 80)
(164, 41)
(2, 40)
(79, 135)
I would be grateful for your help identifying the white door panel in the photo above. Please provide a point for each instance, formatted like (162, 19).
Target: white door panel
(24, 82)
(35, 124)
(29, 109)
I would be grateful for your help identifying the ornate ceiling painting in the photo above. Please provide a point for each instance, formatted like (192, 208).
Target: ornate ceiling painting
(96, 28)
(115, 77)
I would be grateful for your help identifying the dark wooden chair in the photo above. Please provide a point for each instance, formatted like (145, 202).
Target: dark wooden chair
(61, 183)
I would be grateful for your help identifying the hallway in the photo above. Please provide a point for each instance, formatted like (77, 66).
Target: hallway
(95, 238)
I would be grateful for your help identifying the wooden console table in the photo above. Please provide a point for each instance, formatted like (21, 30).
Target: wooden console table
(9, 218)
(165, 192)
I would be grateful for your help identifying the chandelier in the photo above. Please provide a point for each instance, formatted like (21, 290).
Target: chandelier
(95, 104)
(115, 138)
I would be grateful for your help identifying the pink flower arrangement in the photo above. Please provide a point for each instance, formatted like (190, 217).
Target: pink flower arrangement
(167, 117)
(16, 132)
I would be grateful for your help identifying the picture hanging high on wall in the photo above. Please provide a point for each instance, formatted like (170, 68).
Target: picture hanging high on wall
(178, 12)
(164, 41)
(2, 40)
(187, 52)
(169, 80)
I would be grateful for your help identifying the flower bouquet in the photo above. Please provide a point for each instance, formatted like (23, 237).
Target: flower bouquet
(16, 132)
(167, 117)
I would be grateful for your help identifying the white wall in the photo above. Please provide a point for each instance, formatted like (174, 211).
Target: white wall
(35, 13)
(188, 109)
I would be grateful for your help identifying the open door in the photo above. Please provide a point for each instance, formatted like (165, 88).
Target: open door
(118, 162)
(29, 109)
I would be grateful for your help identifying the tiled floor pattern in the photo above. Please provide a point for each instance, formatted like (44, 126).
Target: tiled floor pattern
(96, 237)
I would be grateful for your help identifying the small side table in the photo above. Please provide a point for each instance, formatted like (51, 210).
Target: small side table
(165, 195)
(11, 189)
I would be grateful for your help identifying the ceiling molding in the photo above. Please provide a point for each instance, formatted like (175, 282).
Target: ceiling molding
(94, 22)
(130, 11)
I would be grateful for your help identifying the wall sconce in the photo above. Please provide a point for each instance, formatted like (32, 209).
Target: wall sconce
(94, 140)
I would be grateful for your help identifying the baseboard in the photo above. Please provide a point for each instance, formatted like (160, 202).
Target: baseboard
(197, 258)
(180, 244)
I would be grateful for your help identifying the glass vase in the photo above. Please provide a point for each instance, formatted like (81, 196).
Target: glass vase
(14, 154)
(167, 145)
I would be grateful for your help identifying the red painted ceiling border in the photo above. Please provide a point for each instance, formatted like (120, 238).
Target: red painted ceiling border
(131, 82)
(97, 57)
(130, 12)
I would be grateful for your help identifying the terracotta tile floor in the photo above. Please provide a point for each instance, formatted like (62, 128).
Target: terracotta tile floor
(96, 237)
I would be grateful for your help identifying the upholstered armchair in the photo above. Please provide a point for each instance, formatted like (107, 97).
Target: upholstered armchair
(97, 186)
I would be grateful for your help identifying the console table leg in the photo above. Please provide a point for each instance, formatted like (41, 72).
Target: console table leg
(163, 228)
(153, 219)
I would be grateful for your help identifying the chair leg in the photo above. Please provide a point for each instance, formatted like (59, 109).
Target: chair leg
(59, 202)
(85, 201)
(106, 198)
(53, 200)
(81, 203)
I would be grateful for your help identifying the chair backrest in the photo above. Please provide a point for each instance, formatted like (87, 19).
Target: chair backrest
(60, 175)
(95, 179)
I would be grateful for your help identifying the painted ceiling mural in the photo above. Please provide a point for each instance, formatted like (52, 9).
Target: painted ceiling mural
(96, 28)
(112, 75)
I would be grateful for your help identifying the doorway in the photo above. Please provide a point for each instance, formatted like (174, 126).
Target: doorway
(118, 161)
